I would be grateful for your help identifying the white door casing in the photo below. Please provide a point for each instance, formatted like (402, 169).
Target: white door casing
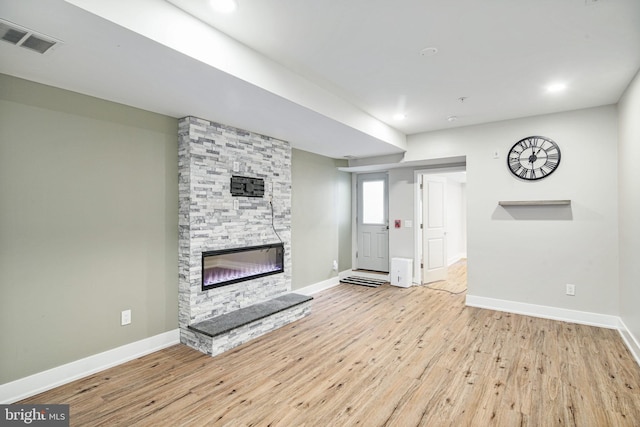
(373, 222)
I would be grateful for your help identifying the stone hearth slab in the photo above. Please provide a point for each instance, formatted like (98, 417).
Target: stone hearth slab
(229, 321)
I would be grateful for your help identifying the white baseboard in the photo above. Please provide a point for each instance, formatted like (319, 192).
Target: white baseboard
(546, 312)
(321, 286)
(345, 273)
(456, 258)
(632, 342)
(46, 380)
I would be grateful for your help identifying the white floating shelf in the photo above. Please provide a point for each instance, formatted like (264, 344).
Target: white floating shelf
(534, 202)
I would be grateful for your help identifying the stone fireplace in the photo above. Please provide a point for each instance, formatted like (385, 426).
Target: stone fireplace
(213, 220)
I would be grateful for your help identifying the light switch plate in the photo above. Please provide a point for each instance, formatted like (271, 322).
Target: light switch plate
(125, 317)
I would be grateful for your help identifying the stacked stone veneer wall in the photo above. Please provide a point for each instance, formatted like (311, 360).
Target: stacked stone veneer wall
(208, 220)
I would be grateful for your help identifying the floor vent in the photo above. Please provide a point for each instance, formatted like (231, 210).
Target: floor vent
(24, 37)
(363, 281)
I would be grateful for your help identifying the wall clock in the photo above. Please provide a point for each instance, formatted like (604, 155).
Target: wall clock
(533, 158)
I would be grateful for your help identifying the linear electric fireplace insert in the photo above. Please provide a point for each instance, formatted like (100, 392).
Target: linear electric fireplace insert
(227, 266)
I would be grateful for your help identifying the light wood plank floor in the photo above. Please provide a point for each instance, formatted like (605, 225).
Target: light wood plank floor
(383, 356)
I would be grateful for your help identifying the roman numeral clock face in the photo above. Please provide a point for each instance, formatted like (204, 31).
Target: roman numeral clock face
(534, 157)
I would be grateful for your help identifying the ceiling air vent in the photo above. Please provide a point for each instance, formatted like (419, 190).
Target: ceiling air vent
(24, 37)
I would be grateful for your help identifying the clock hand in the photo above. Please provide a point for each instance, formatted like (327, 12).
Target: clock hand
(539, 148)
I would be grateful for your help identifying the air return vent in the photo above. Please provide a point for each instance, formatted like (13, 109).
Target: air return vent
(24, 37)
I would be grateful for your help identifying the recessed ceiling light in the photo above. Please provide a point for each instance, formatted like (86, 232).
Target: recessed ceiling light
(429, 51)
(452, 118)
(556, 87)
(223, 6)
(399, 116)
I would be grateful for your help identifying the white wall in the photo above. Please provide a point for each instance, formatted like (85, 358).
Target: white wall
(529, 255)
(401, 195)
(629, 187)
(456, 218)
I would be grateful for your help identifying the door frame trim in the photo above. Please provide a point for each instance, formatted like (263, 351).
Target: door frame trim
(355, 222)
(417, 220)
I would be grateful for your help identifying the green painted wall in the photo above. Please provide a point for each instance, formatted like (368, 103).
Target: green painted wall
(321, 218)
(88, 226)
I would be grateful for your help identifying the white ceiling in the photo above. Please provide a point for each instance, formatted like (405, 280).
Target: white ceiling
(329, 76)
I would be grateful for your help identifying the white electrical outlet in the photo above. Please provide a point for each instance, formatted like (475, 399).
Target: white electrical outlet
(236, 204)
(236, 166)
(335, 265)
(125, 317)
(571, 289)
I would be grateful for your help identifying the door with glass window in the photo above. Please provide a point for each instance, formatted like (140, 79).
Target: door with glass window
(373, 222)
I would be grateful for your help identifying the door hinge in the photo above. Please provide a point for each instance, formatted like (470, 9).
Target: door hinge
(421, 265)
(420, 226)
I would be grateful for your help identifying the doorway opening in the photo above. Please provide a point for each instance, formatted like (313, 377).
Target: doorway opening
(441, 238)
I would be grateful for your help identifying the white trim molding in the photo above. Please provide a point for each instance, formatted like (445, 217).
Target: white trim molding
(60, 375)
(546, 312)
(324, 285)
(456, 258)
(632, 342)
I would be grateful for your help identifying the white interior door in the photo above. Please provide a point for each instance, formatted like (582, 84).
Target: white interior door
(434, 235)
(373, 222)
